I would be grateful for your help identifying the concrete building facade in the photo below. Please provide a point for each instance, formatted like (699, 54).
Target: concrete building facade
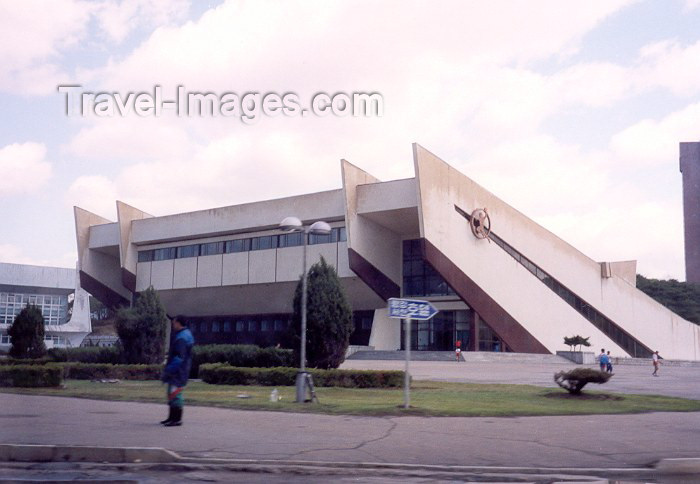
(690, 168)
(500, 281)
(56, 291)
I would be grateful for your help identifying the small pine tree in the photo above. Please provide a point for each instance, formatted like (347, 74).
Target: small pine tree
(27, 334)
(329, 317)
(142, 329)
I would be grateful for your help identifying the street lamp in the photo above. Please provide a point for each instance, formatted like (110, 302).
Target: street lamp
(293, 224)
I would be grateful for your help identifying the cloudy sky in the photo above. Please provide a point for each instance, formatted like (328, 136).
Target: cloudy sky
(570, 111)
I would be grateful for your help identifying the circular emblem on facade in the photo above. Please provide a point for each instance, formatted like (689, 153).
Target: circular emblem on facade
(480, 223)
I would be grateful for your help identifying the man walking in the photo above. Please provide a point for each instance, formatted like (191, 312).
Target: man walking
(603, 360)
(655, 361)
(177, 369)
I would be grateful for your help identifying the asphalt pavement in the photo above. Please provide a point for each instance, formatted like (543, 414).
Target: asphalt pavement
(576, 442)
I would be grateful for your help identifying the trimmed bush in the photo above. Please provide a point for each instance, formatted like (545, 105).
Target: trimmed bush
(249, 356)
(96, 371)
(573, 381)
(20, 361)
(224, 374)
(30, 376)
(92, 354)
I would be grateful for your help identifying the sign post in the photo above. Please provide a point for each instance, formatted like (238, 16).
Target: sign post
(409, 309)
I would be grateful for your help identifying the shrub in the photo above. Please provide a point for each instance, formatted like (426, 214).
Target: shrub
(573, 381)
(19, 361)
(92, 354)
(27, 334)
(223, 374)
(142, 329)
(240, 356)
(96, 371)
(577, 340)
(329, 317)
(30, 376)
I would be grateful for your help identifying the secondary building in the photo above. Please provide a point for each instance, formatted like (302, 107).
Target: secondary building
(501, 281)
(56, 292)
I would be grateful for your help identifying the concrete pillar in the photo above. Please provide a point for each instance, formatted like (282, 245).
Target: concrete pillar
(690, 168)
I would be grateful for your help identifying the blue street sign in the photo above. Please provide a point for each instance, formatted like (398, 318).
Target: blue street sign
(411, 309)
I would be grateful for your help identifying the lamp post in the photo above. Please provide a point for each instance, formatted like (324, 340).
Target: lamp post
(293, 224)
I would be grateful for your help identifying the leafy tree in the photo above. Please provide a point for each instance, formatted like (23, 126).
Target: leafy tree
(27, 334)
(573, 381)
(328, 317)
(142, 329)
(683, 298)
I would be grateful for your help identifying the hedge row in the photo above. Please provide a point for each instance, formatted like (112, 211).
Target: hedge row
(96, 371)
(90, 354)
(30, 376)
(23, 362)
(224, 374)
(249, 356)
(234, 355)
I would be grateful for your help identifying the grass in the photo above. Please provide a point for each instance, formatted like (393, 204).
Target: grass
(427, 399)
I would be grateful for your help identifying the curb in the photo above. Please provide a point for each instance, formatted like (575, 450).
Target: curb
(164, 458)
(688, 465)
(74, 453)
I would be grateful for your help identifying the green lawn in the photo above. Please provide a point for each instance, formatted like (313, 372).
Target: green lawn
(427, 398)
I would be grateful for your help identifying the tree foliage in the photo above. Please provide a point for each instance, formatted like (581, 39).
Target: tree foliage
(142, 329)
(27, 334)
(329, 318)
(573, 381)
(577, 340)
(683, 298)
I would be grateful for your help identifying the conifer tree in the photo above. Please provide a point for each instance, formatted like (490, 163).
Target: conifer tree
(329, 317)
(142, 329)
(27, 334)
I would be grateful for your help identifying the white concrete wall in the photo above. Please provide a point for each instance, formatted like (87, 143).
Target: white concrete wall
(386, 331)
(252, 267)
(261, 266)
(380, 246)
(546, 316)
(104, 235)
(289, 262)
(143, 275)
(209, 270)
(37, 276)
(263, 215)
(162, 274)
(235, 269)
(185, 273)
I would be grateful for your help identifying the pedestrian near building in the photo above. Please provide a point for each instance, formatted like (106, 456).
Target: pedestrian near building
(603, 360)
(656, 362)
(177, 369)
(458, 350)
(609, 367)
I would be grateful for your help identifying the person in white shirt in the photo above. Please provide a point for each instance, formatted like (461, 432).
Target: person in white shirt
(655, 361)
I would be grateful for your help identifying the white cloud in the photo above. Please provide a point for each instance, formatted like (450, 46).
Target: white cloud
(24, 169)
(655, 142)
(15, 255)
(35, 35)
(118, 19)
(133, 140)
(95, 193)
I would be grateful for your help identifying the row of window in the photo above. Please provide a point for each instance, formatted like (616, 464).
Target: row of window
(294, 239)
(56, 340)
(239, 326)
(633, 347)
(419, 278)
(53, 307)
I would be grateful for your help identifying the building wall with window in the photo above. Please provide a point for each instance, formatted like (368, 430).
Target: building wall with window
(522, 289)
(55, 292)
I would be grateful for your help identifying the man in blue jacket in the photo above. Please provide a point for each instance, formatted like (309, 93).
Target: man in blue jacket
(177, 369)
